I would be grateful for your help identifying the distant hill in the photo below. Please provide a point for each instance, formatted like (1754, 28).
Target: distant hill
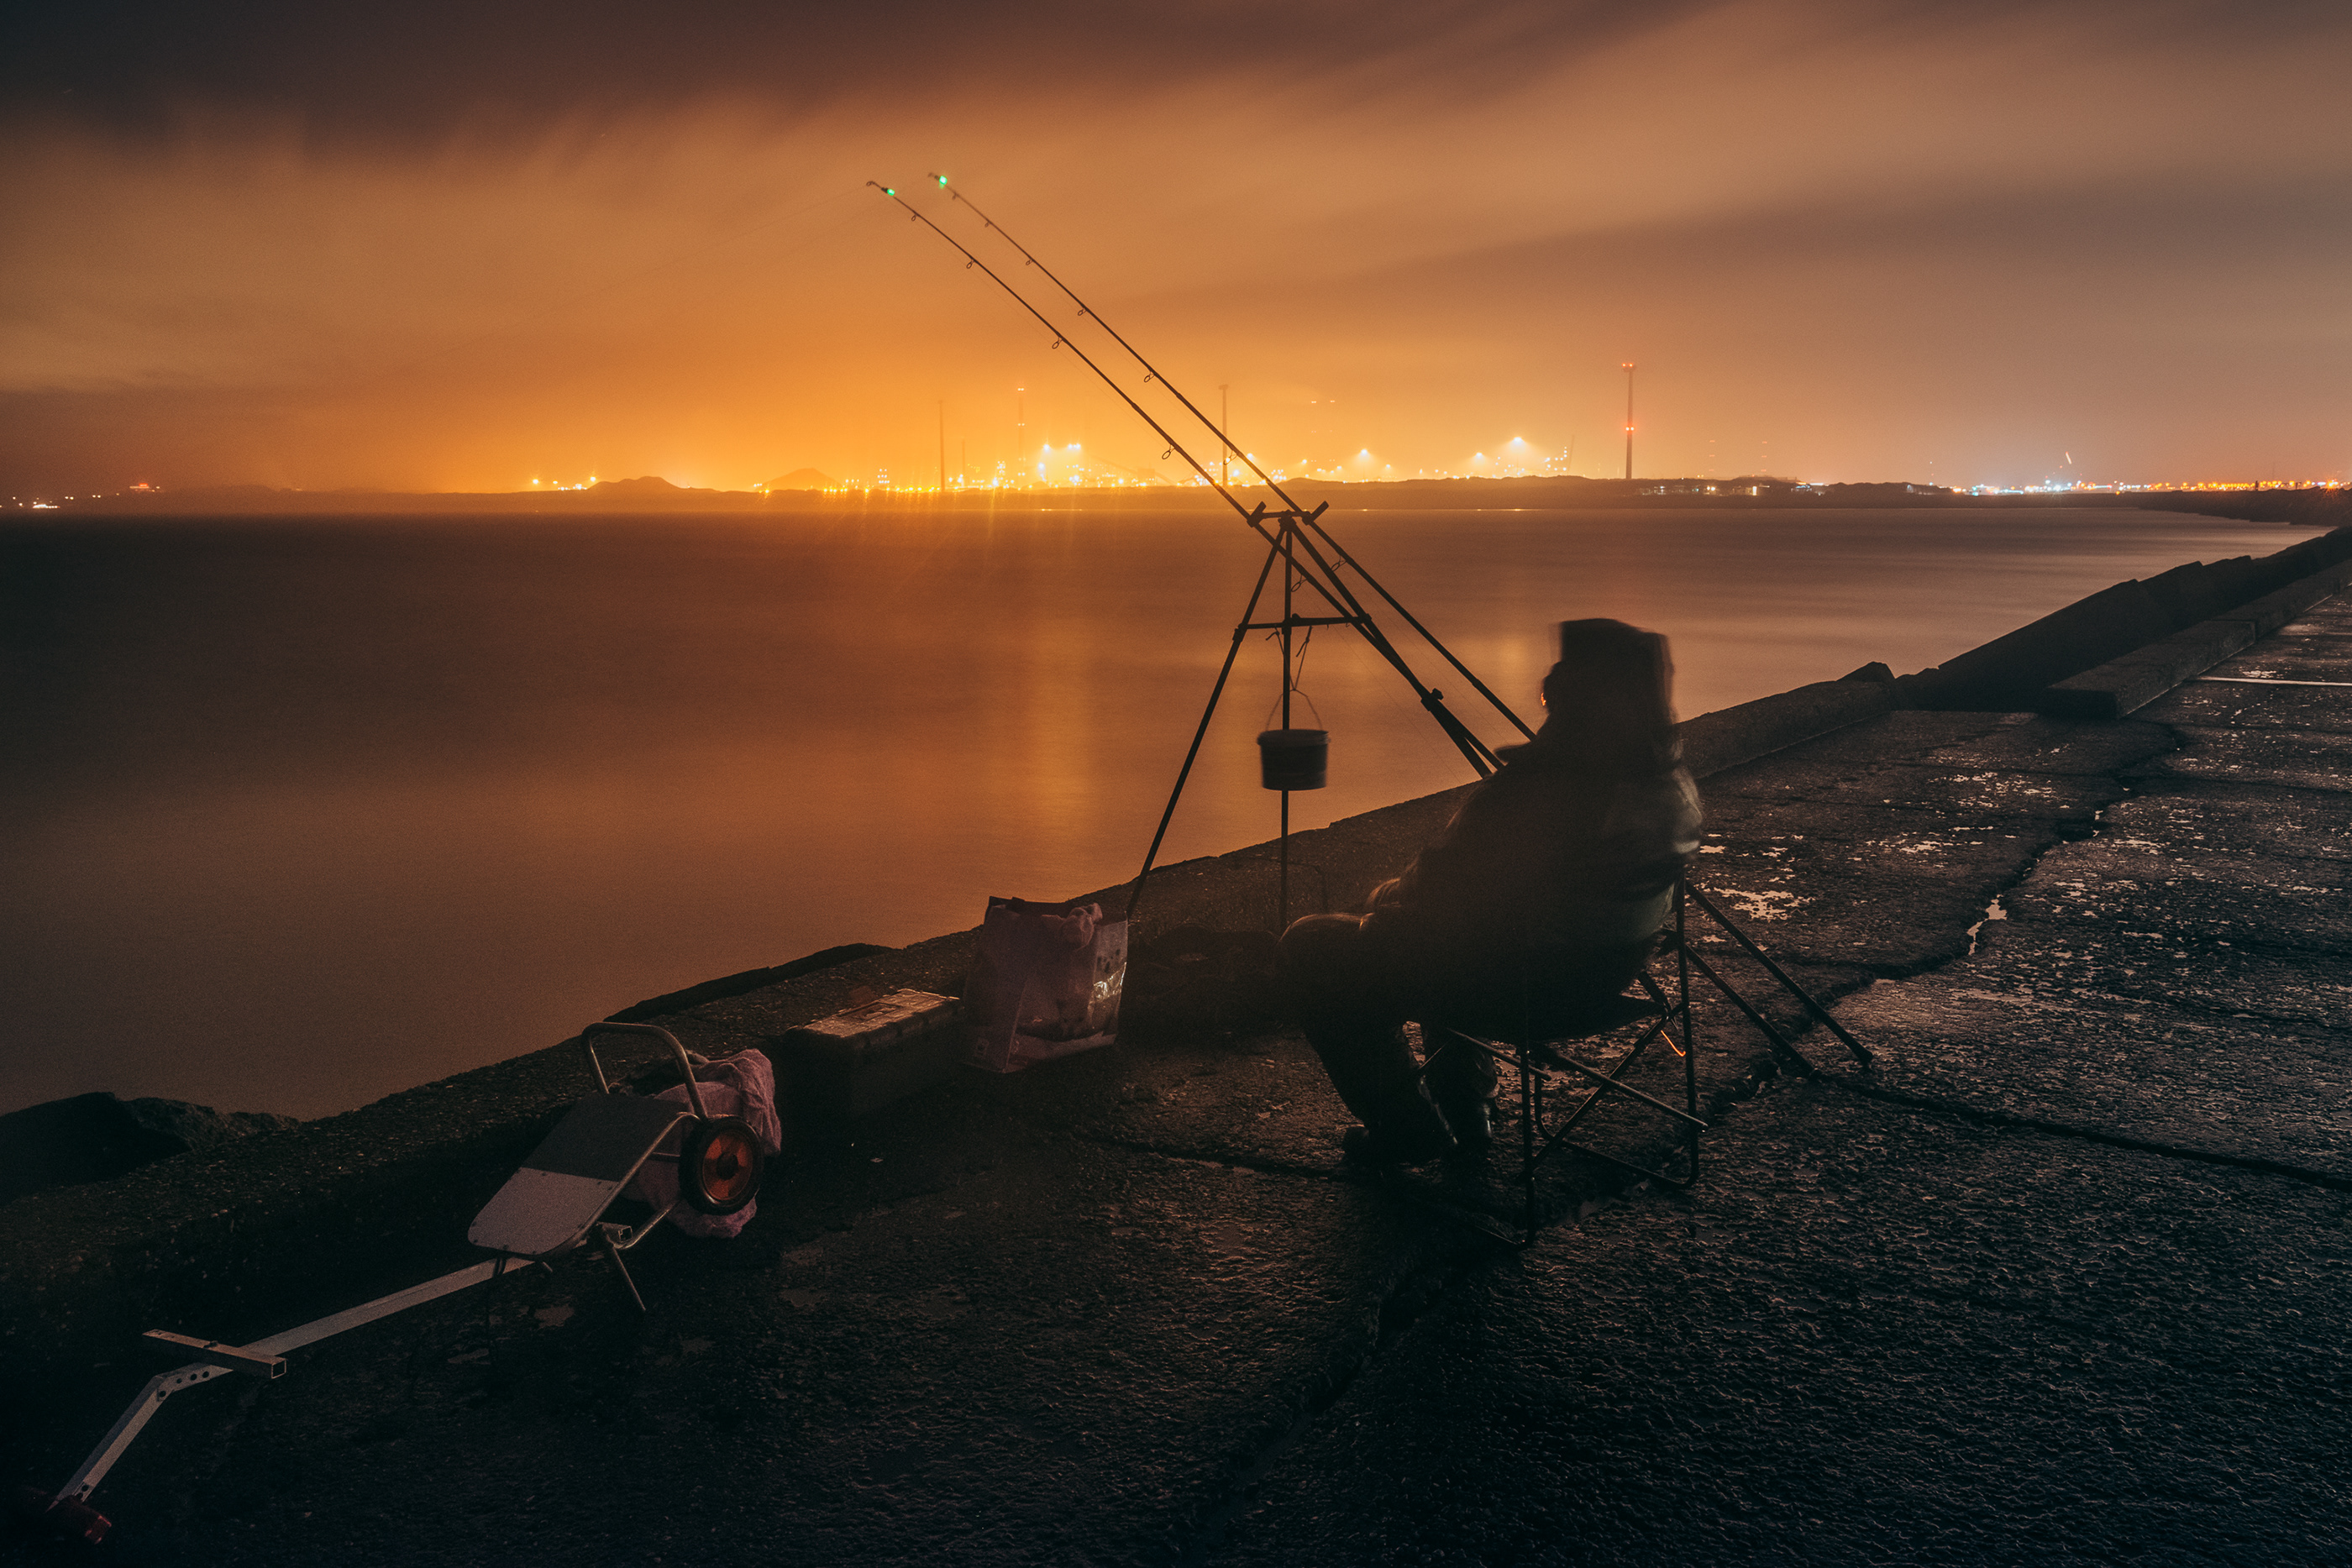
(645, 486)
(802, 479)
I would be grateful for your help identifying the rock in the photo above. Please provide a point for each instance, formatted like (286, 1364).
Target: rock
(98, 1136)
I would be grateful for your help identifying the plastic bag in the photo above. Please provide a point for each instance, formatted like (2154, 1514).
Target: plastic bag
(1047, 983)
(740, 1085)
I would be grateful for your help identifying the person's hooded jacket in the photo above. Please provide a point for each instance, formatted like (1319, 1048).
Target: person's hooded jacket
(1569, 852)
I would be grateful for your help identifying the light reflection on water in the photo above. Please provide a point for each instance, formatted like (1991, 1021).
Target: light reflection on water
(300, 814)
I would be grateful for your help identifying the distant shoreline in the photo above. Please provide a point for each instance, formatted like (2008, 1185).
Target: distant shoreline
(2316, 507)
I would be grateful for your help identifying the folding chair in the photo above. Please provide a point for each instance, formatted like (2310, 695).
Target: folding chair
(1526, 1032)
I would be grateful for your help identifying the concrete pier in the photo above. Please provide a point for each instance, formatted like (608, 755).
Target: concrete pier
(2063, 1277)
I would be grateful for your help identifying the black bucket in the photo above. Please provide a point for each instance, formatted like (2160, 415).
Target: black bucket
(1293, 758)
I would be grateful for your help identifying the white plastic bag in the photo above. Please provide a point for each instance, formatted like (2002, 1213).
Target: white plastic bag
(740, 1085)
(1047, 983)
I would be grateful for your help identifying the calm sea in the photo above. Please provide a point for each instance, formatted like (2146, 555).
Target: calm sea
(296, 813)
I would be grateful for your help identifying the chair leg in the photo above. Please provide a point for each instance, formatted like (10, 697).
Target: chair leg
(1683, 1010)
(1530, 1115)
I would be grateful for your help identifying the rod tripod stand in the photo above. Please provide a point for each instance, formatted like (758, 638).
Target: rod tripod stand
(1298, 537)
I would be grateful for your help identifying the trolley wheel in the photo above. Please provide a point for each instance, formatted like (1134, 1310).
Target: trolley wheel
(718, 1168)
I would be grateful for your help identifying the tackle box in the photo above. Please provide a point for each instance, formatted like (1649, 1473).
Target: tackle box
(871, 1053)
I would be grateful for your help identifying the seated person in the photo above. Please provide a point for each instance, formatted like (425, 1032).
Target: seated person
(1544, 896)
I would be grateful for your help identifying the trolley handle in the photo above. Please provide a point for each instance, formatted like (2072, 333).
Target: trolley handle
(685, 1062)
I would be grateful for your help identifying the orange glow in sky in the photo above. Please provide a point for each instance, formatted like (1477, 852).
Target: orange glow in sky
(1931, 242)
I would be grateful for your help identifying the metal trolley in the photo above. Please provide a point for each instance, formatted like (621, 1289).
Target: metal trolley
(554, 1203)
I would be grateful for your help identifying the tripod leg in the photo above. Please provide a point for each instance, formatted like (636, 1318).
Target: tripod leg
(1241, 630)
(1690, 1052)
(1480, 756)
(1341, 550)
(1281, 910)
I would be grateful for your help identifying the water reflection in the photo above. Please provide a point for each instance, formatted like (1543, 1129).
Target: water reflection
(302, 813)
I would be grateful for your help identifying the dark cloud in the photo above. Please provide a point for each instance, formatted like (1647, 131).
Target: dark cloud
(420, 67)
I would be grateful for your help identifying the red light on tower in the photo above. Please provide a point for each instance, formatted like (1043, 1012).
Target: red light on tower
(1628, 368)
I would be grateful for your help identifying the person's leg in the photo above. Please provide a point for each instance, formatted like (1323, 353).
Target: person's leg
(1552, 990)
(1342, 994)
(1461, 1080)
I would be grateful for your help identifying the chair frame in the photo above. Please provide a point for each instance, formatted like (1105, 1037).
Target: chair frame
(1535, 1057)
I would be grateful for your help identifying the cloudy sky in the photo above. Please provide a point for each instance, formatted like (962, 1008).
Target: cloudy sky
(447, 246)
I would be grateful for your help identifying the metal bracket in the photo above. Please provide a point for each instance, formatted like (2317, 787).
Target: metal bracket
(233, 1357)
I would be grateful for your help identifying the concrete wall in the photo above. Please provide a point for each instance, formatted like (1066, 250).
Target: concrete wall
(2014, 672)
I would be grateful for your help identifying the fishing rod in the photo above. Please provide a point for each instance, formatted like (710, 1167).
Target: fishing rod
(1153, 373)
(1254, 517)
(1059, 340)
(1335, 593)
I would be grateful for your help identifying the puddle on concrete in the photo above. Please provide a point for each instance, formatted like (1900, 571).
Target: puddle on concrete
(1993, 911)
(1768, 904)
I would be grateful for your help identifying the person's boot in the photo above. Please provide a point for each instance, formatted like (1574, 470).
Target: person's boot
(1404, 1131)
(1378, 1080)
(1461, 1080)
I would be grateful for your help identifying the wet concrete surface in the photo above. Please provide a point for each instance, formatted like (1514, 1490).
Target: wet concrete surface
(1873, 1336)
(2063, 1277)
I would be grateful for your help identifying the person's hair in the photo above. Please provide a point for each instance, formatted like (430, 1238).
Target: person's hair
(1611, 697)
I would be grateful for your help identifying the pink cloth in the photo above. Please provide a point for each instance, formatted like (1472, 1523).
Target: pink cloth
(741, 1085)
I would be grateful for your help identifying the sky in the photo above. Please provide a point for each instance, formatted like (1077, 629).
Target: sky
(465, 246)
